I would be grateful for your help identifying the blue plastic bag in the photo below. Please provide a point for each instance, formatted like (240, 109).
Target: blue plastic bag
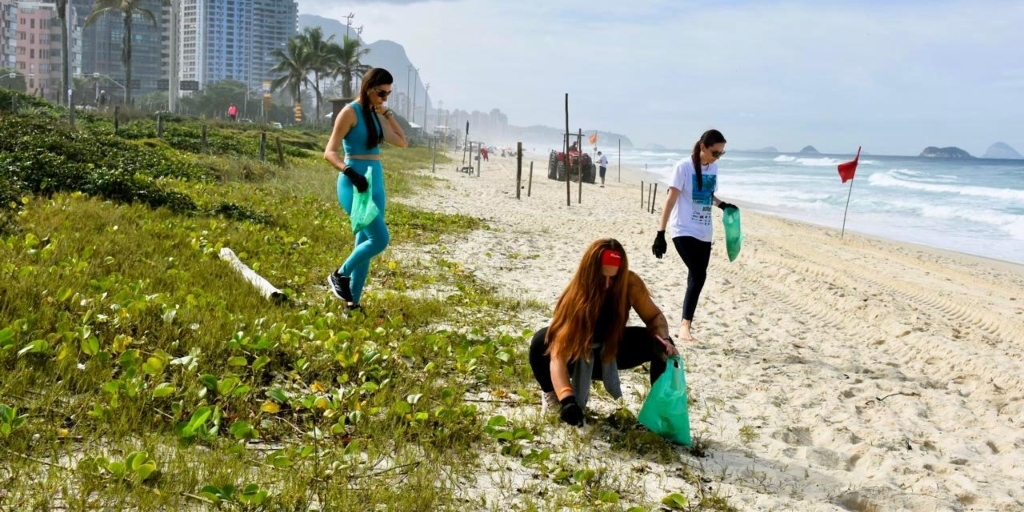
(364, 210)
(733, 235)
(665, 412)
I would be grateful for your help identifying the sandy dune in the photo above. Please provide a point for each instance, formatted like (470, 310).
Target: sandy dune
(864, 374)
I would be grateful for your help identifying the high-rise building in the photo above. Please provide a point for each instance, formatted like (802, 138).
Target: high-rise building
(102, 46)
(233, 39)
(8, 33)
(39, 50)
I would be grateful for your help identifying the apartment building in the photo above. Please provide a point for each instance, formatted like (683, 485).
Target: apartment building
(8, 33)
(233, 39)
(102, 45)
(38, 52)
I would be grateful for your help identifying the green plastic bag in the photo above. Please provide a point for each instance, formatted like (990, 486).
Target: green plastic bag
(364, 210)
(733, 235)
(665, 412)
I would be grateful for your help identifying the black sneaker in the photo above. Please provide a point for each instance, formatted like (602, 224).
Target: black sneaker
(339, 286)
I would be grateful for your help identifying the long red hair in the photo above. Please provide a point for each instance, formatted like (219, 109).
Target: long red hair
(585, 304)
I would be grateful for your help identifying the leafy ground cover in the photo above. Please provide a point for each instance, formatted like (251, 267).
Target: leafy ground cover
(138, 371)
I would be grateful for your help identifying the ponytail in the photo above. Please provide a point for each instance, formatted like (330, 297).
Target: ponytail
(707, 139)
(696, 162)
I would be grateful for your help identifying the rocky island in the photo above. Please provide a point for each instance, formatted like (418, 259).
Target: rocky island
(947, 152)
(1002, 150)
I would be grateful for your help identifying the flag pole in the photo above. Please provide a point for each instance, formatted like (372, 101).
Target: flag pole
(850, 193)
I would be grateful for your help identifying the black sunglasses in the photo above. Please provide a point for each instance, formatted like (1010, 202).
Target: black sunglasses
(382, 94)
(717, 154)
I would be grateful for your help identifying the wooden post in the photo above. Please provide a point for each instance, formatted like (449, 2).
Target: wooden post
(433, 154)
(529, 183)
(71, 109)
(479, 158)
(654, 197)
(206, 146)
(579, 165)
(117, 114)
(519, 168)
(159, 126)
(568, 182)
(641, 194)
(263, 146)
(650, 188)
(620, 160)
(280, 151)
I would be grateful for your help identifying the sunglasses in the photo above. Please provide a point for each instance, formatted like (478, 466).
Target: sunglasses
(382, 94)
(717, 154)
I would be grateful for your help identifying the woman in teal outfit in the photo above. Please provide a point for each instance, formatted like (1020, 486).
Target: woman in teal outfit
(360, 129)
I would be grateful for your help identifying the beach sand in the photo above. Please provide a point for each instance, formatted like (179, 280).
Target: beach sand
(854, 374)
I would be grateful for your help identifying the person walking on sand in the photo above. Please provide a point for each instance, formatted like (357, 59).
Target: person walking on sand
(602, 166)
(360, 129)
(588, 338)
(688, 206)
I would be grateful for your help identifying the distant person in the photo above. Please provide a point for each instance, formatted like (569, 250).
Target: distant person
(588, 338)
(359, 129)
(690, 198)
(483, 153)
(233, 112)
(602, 166)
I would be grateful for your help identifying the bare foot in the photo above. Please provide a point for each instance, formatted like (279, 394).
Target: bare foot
(684, 332)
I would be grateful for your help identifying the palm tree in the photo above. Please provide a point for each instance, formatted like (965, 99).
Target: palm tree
(127, 9)
(312, 38)
(343, 62)
(295, 62)
(65, 80)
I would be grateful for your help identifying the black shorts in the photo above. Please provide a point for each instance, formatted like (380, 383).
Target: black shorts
(601, 171)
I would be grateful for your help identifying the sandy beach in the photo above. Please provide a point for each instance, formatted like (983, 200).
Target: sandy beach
(854, 374)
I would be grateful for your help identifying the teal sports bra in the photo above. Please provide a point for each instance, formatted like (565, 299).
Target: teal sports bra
(355, 140)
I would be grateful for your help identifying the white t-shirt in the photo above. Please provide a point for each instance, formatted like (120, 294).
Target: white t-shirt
(603, 161)
(692, 214)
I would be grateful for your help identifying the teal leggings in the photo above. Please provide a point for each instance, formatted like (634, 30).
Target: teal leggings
(373, 239)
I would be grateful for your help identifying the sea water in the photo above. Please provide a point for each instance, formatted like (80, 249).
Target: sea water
(975, 206)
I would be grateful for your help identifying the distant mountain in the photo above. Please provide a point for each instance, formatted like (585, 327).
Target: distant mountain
(1002, 150)
(809, 150)
(947, 152)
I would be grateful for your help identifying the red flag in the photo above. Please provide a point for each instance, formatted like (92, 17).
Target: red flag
(847, 169)
(593, 138)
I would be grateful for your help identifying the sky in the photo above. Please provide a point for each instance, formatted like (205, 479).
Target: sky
(891, 76)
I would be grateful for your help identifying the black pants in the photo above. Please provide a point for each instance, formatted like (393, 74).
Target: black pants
(695, 254)
(636, 347)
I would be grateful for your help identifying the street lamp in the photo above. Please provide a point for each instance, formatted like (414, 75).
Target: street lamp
(115, 82)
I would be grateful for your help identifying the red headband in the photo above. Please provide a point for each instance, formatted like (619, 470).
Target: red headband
(611, 258)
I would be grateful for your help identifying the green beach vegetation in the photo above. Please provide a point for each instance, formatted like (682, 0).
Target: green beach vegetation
(139, 371)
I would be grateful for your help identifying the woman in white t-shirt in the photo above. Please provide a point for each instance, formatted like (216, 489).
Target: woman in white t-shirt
(695, 180)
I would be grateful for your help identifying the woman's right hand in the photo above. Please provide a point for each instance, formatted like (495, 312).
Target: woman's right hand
(660, 246)
(358, 180)
(571, 413)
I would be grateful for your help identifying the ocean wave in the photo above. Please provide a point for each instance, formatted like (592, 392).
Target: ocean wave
(818, 162)
(784, 158)
(1015, 229)
(887, 179)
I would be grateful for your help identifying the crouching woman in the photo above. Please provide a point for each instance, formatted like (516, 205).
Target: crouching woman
(588, 337)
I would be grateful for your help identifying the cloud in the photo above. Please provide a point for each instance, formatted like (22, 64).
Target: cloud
(893, 75)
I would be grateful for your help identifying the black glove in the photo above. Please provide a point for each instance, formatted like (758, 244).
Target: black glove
(571, 411)
(660, 246)
(723, 205)
(358, 180)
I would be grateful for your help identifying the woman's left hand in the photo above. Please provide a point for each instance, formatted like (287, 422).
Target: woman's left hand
(670, 349)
